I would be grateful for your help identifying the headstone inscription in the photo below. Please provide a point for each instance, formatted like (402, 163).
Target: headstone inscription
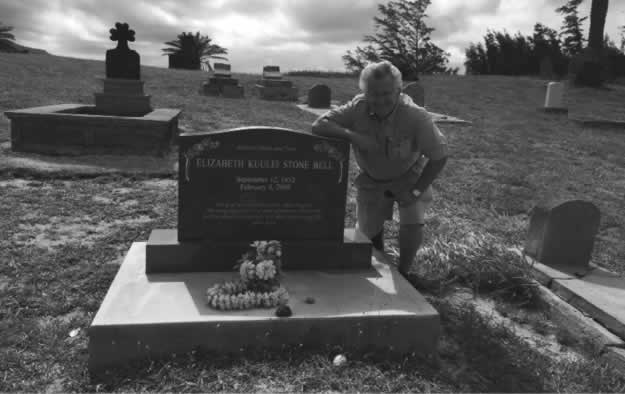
(261, 183)
(563, 233)
(320, 96)
(416, 92)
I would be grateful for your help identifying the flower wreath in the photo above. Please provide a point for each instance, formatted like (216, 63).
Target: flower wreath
(259, 283)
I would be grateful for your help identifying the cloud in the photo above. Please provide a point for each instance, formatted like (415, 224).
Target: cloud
(293, 33)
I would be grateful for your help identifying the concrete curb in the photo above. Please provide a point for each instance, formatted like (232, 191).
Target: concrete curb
(581, 320)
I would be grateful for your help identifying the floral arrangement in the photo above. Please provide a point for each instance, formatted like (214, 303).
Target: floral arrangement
(333, 153)
(195, 150)
(259, 283)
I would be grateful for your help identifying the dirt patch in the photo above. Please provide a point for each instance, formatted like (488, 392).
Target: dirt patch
(160, 183)
(102, 200)
(60, 231)
(545, 343)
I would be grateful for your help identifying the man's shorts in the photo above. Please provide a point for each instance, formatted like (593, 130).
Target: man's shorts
(374, 208)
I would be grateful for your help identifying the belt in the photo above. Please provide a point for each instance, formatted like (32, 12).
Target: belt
(394, 179)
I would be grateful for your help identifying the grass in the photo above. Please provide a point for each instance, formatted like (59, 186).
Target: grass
(64, 238)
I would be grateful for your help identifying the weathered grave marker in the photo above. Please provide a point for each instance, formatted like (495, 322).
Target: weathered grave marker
(320, 96)
(554, 99)
(563, 233)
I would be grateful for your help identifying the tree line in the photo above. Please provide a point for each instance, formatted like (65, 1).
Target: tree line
(557, 51)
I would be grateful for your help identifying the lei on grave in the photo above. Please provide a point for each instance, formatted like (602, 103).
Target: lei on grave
(259, 283)
(333, 153)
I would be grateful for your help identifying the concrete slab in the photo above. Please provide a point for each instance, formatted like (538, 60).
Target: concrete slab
(145, 316)
(545, 274)
(600, 294)
(438, 118)
(77, 129)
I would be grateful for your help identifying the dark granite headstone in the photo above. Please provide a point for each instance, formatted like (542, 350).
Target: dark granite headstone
(261, 183)
(122, 62)
(319, 96)
(563, 233)
(416, 92)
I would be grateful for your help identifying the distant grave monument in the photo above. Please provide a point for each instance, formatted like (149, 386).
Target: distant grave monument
(416, 92)
(123, 87)
(221, 83)
(554, 98)
(320, 96)
(562, 234)
(273, 87)
(252, 184)
(121, 122)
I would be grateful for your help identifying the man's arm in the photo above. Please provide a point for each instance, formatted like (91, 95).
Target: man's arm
(328, 128)
(430, 172)
(433, 145)
(339, 123)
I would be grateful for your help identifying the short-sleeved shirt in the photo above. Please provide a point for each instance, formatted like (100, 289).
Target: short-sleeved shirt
(403, 136)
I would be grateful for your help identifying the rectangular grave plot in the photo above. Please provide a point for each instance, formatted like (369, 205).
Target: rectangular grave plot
(261, 183)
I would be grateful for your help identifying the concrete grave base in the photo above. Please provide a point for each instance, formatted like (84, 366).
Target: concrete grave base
(165, 254)
(144, 316)
(231, 91)
(277, 93)
(76, 129)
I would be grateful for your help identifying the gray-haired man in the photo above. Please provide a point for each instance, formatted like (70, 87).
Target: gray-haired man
(390, 135)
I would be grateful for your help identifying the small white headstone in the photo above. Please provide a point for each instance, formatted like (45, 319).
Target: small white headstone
(555, 96)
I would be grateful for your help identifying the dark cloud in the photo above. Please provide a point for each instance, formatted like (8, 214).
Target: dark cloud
(293, 32)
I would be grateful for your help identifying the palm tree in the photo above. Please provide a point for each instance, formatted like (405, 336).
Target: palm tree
(195, 49)
(4, 33)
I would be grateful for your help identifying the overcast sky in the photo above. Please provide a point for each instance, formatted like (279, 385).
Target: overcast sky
(295, 34)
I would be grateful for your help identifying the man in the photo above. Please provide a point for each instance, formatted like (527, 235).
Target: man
(390, 135)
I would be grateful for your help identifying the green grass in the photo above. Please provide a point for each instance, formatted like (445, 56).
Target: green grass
(63, 239)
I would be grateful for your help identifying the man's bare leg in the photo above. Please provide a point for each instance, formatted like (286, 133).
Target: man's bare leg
(410, 239)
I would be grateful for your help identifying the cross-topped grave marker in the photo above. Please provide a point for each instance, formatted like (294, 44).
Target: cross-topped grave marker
(122, 62)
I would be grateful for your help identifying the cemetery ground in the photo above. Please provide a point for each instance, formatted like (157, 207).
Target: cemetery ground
(65, 232)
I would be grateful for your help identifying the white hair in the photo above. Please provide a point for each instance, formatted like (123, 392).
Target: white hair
(379, 71)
